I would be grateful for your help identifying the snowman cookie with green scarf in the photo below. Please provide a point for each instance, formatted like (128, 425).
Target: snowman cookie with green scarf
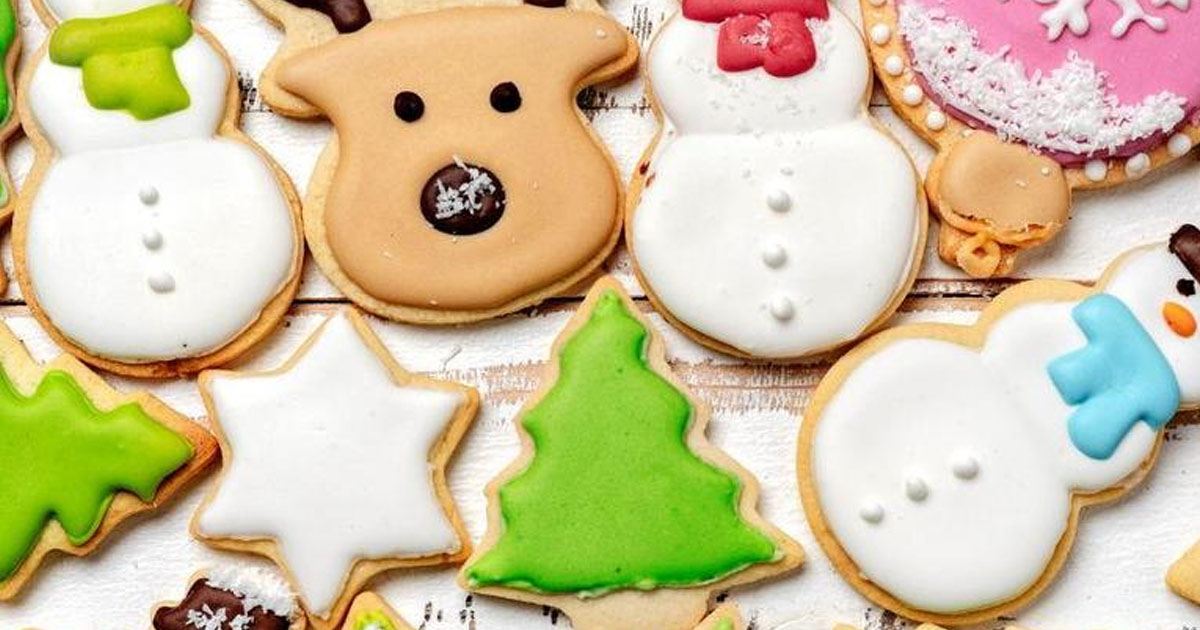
(152, 237)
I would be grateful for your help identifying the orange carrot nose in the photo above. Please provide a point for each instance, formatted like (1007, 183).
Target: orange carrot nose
(1180, 319)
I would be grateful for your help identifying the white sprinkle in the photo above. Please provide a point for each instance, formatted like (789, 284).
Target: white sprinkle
(152, 239)
(1096, 170)
(936, 120)
(913, 95)
(1137, 165)
(916, 489)
(779, 200)
(148, 195)
(1046, 171)
(894, 65)
(256, 587)
(782, 308)
(1179, 145)
(964, 465)
(161, 282)
(774, 255)
(881, 33)
(871, 512)
(601, 34)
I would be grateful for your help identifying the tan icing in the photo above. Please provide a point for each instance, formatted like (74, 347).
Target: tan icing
(563, 196)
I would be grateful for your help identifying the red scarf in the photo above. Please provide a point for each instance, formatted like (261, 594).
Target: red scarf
(771, 34)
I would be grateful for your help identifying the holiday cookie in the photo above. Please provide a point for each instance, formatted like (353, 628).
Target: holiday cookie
(335, 465)
(78, 458)
(619, 511)
(1028, 100)
(1184, 577)
(230, 598)
(749, 220)
(944, 468)
(152, 237)
(10, 51)
(370, 612)
(726, 617)
(463, 182)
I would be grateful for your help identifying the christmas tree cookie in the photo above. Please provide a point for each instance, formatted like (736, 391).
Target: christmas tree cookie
(370, 612)
(335, 466)
(1184, 577)
(619, 512)
(77, 458)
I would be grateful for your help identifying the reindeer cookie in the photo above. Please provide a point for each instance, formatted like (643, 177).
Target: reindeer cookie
(749, 220)
(463, 182)
(1027, 100)
(945, 468)
(152, 237)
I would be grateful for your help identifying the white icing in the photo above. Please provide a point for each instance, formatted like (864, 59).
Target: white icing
(936, 120)
(881, 33)
(919, 403)
(153, 240)
(1068, 109)
(64, 10)
(1137, 165)
(1073, 15)
(912, 94)
(1179, 145)
(894, 65)
(705, 221)
(1096, 170)
(330, 458)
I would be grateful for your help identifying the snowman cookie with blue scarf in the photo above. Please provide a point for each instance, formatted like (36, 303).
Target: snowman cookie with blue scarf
(152, 237)
(945, 468)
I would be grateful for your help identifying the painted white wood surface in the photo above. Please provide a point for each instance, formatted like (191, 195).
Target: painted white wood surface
(1112, 581)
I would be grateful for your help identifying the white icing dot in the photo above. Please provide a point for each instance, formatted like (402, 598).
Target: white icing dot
(1096, 170)
(774, 255)
(913, 95)
(152, 239)
(782, 308)
(894, 65)
(779, 200)
(916, 489)
(877, 3)
(161, 282)
(1046, 171)
(601, 34)
(871, 512)
(936, 120)
(964, 466)
(148, 195)
(1137, 165)
(1179, 145)
(881, 33)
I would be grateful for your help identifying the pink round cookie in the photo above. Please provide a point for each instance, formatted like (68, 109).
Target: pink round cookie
(1077, 78)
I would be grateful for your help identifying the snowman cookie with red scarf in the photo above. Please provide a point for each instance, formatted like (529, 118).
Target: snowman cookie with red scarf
(772, 218)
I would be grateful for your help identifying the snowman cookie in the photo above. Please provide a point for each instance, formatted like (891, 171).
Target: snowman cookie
(1028, 100)
(463, 182)
(945, 468)
(749, 220)
(152, 237)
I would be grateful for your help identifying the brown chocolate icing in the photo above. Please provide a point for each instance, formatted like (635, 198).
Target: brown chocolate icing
(348, 15)
(1185, 244)
(463, 199)
(214, 603)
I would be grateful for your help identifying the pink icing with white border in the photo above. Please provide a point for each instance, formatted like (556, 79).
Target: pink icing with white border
(1146, 71)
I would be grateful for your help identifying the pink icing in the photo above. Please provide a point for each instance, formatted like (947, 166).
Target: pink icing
(1141, 63)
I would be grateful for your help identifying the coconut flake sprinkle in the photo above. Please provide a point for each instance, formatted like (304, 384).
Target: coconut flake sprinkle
(1069, 110)
(468, 196)
(257, 588)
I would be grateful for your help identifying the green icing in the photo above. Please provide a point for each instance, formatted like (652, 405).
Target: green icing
(62, 459)
(8, 34)
(127, 59)
(724, 624)
(373, 620)
(614, 498)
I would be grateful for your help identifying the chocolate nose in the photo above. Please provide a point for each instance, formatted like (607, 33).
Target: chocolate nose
(463, 199)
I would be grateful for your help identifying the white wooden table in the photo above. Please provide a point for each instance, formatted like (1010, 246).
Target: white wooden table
(1113, 580)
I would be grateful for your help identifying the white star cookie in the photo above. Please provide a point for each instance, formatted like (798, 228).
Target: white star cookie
(335, 465)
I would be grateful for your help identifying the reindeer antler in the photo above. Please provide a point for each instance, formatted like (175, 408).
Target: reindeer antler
(348, 16)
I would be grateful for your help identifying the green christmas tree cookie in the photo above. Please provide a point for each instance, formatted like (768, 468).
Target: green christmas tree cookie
(619, 503)
(76, 458)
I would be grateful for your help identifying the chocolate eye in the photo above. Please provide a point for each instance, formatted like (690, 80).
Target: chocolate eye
(506, 98)
(409, 107)
(1186, 288)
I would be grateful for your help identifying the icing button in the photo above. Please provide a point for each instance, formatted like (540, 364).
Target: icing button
(148, 195)
(964, 466)
(152, 239)
(782, 308)
(1179, 145)
(881, 33)
(774, 255)
(871, 512)
(161, 282)
(1137, 165)
(894, 65)
(916, 489)
(936, 120)
(913, 95)
(1096, 170)
(779, 200)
